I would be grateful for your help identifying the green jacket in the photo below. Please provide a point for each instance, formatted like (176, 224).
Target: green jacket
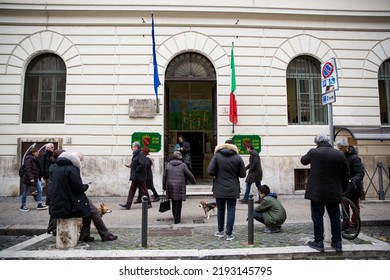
(273, 211)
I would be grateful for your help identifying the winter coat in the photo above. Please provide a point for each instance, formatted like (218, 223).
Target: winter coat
(255, 173)
(174, 180)
(149, 174)
(329, 174)
(67, 194)
(138, 167)
(33, 171)
(356, 170)
(46, 160)
(227, 167)
(273, 211)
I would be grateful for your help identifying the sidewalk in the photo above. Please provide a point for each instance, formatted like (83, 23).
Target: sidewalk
(193, 238)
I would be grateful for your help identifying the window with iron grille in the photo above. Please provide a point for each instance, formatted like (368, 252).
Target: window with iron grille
(304, 94)
(44, 90)
(384, 91)
(300, 179)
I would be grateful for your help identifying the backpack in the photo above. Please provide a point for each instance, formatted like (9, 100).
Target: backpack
(22, 171)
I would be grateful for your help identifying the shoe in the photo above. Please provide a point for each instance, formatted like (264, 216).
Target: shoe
(230, 237)
(42, 207)
(24, 209)
(110, 237)
(126, 206)
(150, 206)
(271, 229)
(319, 246)
(219, 234)
(337, 246)
(87, 239)
(243, 201)
(156, 199)
(137, 202)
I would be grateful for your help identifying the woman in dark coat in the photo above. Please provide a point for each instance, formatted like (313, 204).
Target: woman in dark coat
(31, 178)
(67, 194)
(174, 182)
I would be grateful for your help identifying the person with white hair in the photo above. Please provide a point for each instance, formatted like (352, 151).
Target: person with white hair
(355, 185)
(328, 180)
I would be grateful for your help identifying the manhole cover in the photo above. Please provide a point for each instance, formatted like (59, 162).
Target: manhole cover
(170, 232)
(199, 221)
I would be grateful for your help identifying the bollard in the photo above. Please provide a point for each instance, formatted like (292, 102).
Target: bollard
(144, 233)
(380, 174)
(250, 220)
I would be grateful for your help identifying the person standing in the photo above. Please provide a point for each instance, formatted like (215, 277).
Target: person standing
(255, 172)
(174, 183)
(185, 149)
(149, 177)
(137, 176)
(328, 180)
(227, 167)
(31, 178)
(270, 211)
(355, 184)
(46, 159)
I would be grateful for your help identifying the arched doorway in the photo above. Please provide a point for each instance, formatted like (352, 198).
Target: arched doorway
(190, 108)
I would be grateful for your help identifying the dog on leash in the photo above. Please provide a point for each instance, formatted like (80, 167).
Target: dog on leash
(103, 209)
(207, 208)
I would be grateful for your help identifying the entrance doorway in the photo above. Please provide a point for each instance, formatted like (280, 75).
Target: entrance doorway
(190, 108)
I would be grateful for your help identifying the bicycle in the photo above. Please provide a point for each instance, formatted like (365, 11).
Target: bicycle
(349, 231)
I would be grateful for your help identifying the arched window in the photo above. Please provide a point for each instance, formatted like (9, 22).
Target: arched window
(44, 90)
(304, 95)
(384, 91)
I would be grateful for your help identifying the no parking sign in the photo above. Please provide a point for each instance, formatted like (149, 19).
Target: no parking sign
(329, 76)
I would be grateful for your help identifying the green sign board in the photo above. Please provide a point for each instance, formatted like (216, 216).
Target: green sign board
(149, 139)
(242, 141)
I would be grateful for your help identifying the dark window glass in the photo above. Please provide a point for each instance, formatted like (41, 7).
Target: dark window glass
(304, 96)
(384, 91)
(44, 90)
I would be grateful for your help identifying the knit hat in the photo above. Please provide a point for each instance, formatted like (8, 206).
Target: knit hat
(342, 143)
(321, 138)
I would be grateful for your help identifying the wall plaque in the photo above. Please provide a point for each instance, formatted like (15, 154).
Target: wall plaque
(142, 108)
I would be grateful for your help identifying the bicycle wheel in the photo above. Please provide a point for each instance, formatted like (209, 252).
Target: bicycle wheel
(347, 209)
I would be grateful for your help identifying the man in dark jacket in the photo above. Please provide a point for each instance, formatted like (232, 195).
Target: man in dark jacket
(355, 185)
(46, 159)
(255, 172)
(328, 180)
(137, 176)
(227, 167)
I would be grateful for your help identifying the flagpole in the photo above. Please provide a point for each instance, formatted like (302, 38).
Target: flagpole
(232, 122)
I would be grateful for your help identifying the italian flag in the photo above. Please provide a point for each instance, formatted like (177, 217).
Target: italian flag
(233, 116)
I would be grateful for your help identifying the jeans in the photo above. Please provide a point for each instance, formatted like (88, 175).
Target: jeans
(231, 213)
(248, 189)
(317, 215)
(27, 191)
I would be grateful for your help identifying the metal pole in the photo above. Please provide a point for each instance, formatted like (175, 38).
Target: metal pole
(330, 120)
(380, 174)
(250, 220)
(144, 237)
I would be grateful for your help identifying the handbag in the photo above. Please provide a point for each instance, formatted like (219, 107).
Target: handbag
(165, 204)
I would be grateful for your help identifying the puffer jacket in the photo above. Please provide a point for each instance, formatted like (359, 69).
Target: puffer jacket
(33, 170)
(67, 188)
(227, 167)
(329, 174)
(273, 211)
(174, 179)
(255, 172)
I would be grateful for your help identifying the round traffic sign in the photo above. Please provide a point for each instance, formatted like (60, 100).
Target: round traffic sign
(327, 70)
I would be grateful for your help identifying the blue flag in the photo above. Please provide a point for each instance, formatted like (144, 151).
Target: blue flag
(156, 79)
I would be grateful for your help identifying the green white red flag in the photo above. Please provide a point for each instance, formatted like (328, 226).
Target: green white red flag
(233, 115)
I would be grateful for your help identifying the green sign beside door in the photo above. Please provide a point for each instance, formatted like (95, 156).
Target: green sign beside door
(242, 141)
(149, 139)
